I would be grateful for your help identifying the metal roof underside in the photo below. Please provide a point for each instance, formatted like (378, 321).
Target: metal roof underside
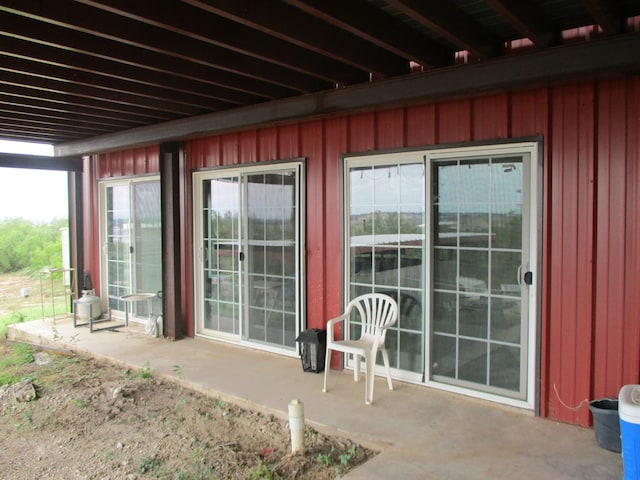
(72, 71)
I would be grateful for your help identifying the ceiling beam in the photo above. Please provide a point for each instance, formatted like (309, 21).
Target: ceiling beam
(49, 127)
(528, 18)
(124, 100)
(124, 71)
(361, 18)
(605, 56)
(32, 33)
(36, 113)
(55, 24)
(314, 35)
(451, 23)
(55, 108)
(39, 162)
(29, 93)
(195, 23)
(96, 80)
(607, 14)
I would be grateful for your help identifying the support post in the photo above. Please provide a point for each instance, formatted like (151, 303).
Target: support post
(171, 175)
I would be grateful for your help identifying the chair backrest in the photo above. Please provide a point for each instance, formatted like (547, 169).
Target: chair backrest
(376, 310)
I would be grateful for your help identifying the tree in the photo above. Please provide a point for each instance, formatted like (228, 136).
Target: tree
(28, 246)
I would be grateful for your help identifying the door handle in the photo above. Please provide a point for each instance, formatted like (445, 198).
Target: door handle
(528, 278)
(241, 256)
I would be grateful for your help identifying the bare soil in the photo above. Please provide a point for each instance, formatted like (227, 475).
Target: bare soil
(94, 420)
(11, 299)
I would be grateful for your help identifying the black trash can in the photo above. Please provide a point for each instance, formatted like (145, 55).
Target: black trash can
(313, 349)
(606, 423)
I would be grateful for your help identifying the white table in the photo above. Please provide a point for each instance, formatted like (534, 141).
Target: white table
(132, 298)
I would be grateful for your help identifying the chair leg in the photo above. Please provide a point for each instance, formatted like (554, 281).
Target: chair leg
(368, 388)
(385, 358)
(327, 365)
(356, 367)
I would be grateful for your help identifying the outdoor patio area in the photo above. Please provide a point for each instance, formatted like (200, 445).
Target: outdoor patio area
(421, 433)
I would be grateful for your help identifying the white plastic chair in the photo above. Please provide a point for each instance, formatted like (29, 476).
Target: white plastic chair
(377, 313)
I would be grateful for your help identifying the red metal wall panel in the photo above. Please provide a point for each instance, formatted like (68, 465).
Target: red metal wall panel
(390, 129)
(453, 121)
(617, 349)
(288, 141)
(313, 140)
(420, 126)
(268, 144)
(490, 117)
(336, 132)
(529, 114)
(631, 314)
(248, 147)
(230, 154)
(361, 133)
(128, 163)
(591, 234)
(569, 281)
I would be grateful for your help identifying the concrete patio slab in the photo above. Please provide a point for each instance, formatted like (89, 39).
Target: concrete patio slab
(421, 433)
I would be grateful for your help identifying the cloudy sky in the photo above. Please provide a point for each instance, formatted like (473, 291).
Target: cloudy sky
(36, 195)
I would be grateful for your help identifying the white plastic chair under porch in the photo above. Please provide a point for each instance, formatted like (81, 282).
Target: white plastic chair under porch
(377, 313)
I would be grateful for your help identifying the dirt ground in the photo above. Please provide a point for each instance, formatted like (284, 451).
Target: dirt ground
(11, 298)
(95, 420)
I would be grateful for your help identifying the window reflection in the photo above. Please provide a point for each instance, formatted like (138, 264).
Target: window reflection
(386, 231)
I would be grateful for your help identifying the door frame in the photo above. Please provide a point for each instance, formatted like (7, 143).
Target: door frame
(532, 147)
(198, 177)
(533, 231)
(103, 184)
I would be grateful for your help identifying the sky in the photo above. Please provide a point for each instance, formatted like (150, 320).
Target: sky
(35, 195)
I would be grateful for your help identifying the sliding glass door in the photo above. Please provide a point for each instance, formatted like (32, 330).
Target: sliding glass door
(132, 240)
(480, 251)
(450, 234)
(248, 245)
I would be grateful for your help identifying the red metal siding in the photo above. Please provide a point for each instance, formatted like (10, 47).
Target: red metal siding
(529, 114)
(490, 117)
(336, 133)
(590, 326)
(336, 145)
(313, 149)
(421, 121)
(390, 129)
(569, 282)
(631, 314)
(617, 349)
(288, 142)
(453, 121)
(361, 133)
(139, 161)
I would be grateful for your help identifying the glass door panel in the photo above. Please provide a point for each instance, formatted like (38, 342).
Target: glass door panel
(479, 313)
(147, 244)
(220, 272)
(117, 242)
(133, 242)
(271, 257)
(249, 275)
(386, 237)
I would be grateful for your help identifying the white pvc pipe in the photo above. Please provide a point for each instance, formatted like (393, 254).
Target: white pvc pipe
(296, 425)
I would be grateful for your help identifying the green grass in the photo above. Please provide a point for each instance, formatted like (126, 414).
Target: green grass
(10, 364)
